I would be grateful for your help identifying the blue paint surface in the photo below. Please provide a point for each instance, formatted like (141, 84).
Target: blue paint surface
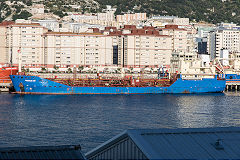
(33, 84)
(232, 77)
(89, 120)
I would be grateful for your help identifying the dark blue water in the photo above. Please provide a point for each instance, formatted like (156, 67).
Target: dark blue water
(89, 120)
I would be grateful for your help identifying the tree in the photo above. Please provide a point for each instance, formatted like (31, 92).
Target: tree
(55, 67)
(80, 68)
(58, 13)
(69, 70)
(23, 15)
(43, 69)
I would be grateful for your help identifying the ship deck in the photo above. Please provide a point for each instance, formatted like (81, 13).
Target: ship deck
(125, 82)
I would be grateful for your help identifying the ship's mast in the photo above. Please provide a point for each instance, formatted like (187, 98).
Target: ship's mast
(74, 72)
(11, 60)
(19, 60)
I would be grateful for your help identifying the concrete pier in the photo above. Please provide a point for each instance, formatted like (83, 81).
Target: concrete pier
(232, 86)
(4, 87)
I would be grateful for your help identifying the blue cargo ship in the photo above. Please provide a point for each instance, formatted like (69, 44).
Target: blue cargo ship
(35, 85)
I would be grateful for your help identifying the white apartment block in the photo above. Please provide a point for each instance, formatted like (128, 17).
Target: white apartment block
(3, 44)
(109, 16)
(132, 17)
(50, 24)
(81, 17)
(146, 50)
(25, 41)
(179, 36)
(161, 21)
(181, 21)
(228, 25)
(79, 27)
(35, 46)
(227, 39)
(87, 49)
(37, 9)
(223, 39)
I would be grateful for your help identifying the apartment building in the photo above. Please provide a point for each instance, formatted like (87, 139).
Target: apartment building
(179, 37)
(227, 39)
(35, 46)
(65, 49)
(4, 56)
(146, 50)
(25, 42)
(3, 49)
(37, 8)
(131, 17)
(161, 21)
(130, 47)
(50, 24)
(78, 17)
(223, 39)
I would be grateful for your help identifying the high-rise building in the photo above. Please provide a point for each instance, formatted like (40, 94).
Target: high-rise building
(223, 39)
(4, 55)
(25, 42)
(179, 36)
(86, 49)
(146, 50)
(132, 17)
(35, 46)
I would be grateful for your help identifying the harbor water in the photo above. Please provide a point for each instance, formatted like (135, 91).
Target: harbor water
(89, 120)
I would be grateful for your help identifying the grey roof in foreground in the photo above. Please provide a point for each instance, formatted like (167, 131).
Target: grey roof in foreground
(186, 143)
(43, 152)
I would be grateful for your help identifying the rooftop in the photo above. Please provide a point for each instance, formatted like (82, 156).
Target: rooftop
(43, 152)
(71, 33)
(187, 143)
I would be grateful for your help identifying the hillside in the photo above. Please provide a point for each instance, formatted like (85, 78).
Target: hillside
(214, 11)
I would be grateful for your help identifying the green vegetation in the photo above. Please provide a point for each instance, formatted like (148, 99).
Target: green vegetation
(22, 15)
(213, 11)
(59, 13)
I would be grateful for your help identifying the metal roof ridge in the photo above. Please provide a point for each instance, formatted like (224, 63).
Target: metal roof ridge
(136, 135)
(41, 148)
(142, 144)
(108, 143)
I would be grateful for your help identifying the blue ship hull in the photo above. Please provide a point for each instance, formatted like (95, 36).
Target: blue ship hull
(232, 78)
(37, 85)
